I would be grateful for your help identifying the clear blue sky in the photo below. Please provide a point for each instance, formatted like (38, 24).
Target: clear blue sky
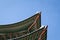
(12, 11)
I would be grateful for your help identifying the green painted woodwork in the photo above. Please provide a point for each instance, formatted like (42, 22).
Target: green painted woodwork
(19, 26)
(32, 36)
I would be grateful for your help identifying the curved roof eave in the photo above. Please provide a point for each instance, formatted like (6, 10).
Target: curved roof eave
(14, 24)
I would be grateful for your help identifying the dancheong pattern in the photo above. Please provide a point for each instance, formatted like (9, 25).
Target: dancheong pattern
(28, 29)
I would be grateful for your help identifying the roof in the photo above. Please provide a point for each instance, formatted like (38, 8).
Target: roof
(22, 25)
